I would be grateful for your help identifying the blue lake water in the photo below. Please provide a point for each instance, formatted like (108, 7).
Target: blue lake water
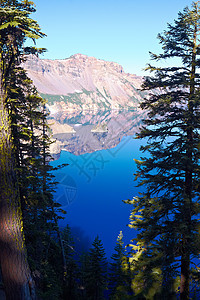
(92, 189)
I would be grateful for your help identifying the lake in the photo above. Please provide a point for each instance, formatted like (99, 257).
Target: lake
(100, 152)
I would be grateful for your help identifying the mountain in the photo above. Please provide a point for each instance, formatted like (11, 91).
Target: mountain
(93, 103)
(84, 83)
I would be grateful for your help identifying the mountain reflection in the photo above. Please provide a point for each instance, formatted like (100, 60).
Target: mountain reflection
(81, 132)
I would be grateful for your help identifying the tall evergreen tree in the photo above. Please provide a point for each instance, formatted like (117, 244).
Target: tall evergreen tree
(167, 213)
(15, 26)
(40, 213)
(96, 271)
(119, 275)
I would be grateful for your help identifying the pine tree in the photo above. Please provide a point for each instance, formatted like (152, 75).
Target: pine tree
(119, 275)
(166, 214)
(145, 276)
(30, 151)
(15, 26)
(41, 214)
(96, 271)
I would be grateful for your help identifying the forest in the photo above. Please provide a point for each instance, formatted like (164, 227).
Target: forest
(38, 259)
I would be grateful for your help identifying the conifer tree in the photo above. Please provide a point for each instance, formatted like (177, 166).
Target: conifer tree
(15, 26)
(119, 275)
(30, 151)
(96, 271)
(169, 208)
(41, 213)
(146, 275)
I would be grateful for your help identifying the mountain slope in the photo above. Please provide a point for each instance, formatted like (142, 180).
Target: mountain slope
(84, 83)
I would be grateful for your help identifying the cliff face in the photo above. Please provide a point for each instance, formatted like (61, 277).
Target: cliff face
(88, 101)
(81, 83)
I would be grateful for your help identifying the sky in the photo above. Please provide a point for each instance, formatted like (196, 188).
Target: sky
(123, 31)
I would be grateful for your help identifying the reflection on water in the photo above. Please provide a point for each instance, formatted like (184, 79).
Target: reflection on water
(94, 183)
(81, 133)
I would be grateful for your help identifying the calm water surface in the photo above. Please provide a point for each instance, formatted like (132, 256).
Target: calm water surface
(92, 188)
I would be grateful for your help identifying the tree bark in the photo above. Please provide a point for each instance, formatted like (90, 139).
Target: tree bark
(16, 274)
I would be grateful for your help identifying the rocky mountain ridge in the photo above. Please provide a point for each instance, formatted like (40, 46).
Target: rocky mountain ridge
(84, 83)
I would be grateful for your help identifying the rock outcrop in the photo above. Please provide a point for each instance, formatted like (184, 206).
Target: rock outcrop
(84, 83)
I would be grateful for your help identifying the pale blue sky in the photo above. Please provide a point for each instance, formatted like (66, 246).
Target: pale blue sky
(123, 31)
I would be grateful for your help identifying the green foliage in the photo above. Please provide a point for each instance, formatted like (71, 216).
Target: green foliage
(95, 274)
(167, 213)
(30, 138)
(119, 273)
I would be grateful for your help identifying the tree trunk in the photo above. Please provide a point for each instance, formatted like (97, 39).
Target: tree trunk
(184, 286)
(16, 275)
